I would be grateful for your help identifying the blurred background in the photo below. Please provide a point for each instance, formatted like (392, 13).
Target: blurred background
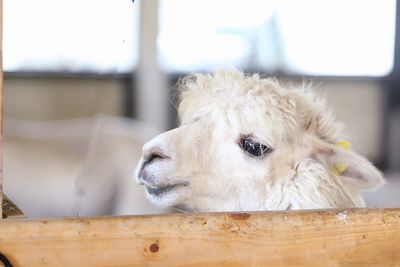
(87, 82)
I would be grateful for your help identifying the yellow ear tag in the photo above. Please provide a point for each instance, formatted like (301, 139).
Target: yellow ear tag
(343, 144)
(340, 168)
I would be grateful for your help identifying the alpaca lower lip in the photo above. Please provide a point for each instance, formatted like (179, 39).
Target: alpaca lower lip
(157, 191)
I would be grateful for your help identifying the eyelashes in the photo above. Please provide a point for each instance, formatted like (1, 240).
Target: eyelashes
(254, 148)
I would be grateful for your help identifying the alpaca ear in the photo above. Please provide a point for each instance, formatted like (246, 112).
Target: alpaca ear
(350, 166)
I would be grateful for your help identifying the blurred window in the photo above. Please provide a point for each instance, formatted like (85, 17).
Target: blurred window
(70, 35)
(307, 37)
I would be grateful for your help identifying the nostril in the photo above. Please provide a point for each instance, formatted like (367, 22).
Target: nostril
(153, 156)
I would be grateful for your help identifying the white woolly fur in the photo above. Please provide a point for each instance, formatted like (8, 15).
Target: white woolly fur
(201, 165)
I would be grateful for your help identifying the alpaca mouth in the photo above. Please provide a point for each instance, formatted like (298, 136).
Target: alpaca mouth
(158, 191)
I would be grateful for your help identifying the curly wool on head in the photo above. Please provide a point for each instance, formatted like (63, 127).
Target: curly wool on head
(292, 108)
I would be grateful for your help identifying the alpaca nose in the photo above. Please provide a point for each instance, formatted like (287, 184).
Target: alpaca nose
(152, 156)
(148, 158)
(154, 153)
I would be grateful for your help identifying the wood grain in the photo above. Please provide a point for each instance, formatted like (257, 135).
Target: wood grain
(357, 237)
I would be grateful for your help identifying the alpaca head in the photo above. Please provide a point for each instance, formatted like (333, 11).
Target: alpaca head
(247, 143)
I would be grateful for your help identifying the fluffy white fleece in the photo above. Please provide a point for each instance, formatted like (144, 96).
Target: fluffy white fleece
(201, 165)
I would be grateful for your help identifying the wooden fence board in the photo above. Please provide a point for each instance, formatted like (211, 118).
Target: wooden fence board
(356, 237)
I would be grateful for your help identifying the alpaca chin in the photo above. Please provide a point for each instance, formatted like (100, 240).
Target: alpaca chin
(167, 196)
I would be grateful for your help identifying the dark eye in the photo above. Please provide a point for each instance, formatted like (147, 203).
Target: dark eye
(254, 148)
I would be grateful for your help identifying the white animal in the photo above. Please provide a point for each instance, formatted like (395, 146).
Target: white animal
(248, 143)
(78, 167)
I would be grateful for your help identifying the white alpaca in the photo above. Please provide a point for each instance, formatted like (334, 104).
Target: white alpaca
(247, 143)
(78, 167)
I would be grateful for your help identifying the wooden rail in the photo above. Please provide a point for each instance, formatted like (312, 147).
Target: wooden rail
(357, 237)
